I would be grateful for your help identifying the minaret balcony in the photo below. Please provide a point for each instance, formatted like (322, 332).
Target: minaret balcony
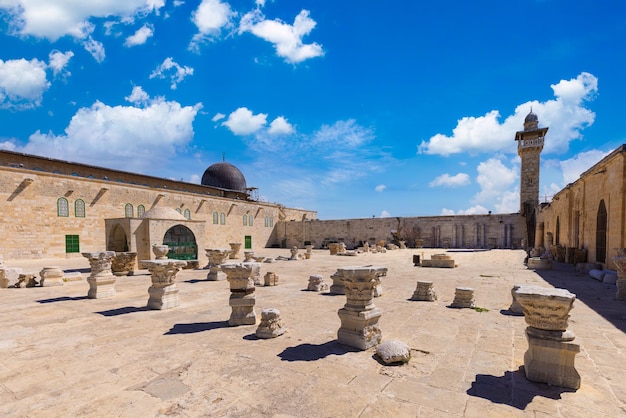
(530, 143)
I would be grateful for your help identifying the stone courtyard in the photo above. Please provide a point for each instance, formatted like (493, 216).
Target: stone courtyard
(62, 354)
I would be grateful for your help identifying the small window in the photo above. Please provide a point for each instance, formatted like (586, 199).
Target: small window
(216, 218)
(250, 220)
(79, 208)
(141, 209)
(187, 214)
(179, 210)
(63, 209)
(72, 244)
(245, 220)
(222, 218)
(128, 210)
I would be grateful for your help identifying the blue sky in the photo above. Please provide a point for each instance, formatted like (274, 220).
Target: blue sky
(351, 108)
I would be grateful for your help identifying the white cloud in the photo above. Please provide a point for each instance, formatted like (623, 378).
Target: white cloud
(280, 126)
(380, 188)
(210, 17)
(58, 61)
(286, 38)
(218, 116)
(95, 48)
(447, 212)
(385, 214)
(22, 83)
(497, 186)
(138, 96)
(176, 72)
(565, 115)
(195, 179)
(52, 19)
(572, 168)
(140, 36)
(344, 132)
(243, 122)
(8, 145)
(474, 210)
(460, 179)
(123, 137)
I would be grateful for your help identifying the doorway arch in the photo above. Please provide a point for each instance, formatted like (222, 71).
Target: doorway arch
(181, 242)
(601, 227)
(117, 239)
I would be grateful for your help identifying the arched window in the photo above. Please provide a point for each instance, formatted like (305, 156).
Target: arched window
(245, 220)
(79, 208)
(222, 218)
(187, 214)
(216, 218)
(250, 220)
(601, 228)
(271, 221)
(63, 209)
(557, 232)
(179, 210)
(128, 210)
(141, 209)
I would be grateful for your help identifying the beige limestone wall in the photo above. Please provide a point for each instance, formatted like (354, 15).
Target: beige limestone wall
(468, 231)
(31, 228)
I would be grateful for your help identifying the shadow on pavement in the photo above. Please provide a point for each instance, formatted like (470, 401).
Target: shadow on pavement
(196, 327)
(312, 352)
(122, 311)
(61, 299)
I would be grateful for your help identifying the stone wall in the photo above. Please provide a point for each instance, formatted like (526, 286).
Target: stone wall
(31, 227)
(464, 231)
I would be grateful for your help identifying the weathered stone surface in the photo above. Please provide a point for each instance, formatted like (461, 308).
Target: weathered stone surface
(217, 257)
(51, 276)
(545, 308)
(248, 256)
(271, 326)
(101, 281)
(160, 251)
(442, 261)
(316, 283)
(338, 287)
(9, 276)
(242, 298)
(610, 278)
(597, 274)
(123, 264)
(550, 359)
(424, 292)
(163, 292)
(235, 247)
(393, 351)
(463, 298)
(270, 279)
(536, 263)
(515, 306)
(255, 273)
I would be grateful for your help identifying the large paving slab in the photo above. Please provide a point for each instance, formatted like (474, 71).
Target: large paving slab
(62, 354)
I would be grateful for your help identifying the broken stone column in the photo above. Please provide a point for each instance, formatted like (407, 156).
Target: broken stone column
(242, 298)
(338, 287)
(424, 292)
(378, 288)
(270, 279)
(317, 283)
(216, 258)
(255, 273)
(551, 352)
(51, 276)
(620, 264)
(463, 298)
(271, 326)
(248, 256)
(123, 263)
(333, 247)
(101, 281)
(359, 316)
(163, 292)
(9, 277)
(515, 307)
(235, 247)
(294, 253)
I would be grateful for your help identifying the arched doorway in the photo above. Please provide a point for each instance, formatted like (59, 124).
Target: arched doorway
(117, 239)
(601, 227)
(181, 242)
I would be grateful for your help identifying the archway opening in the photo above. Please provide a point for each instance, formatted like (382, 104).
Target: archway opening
(181, 242)
(117, 239)
(601, 227)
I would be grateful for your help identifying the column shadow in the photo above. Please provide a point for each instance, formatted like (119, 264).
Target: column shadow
(122, 311)
(312, 352)
(61, 299)
(194, 327)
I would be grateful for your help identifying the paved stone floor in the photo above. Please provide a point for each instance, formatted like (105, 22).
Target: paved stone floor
(64, 355)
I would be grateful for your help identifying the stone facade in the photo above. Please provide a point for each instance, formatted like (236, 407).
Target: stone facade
(32, 188)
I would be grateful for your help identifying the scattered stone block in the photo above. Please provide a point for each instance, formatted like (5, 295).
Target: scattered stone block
(393, 352)
(163, 294)
(9, 277)
(255, 273)
(536, 263)
(271, 326)
(217, 257)
(101, 281)
(439, 261)
(316, 283)
(269, 260)
(424, 292)
(123, 264)
(51, 276)
(587, 267)
(270, 279)
(463, 298)
(338, 287)
(610, 278)
(597, 274)
(242, 298)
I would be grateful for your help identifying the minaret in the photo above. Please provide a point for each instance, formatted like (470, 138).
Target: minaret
(529, 146)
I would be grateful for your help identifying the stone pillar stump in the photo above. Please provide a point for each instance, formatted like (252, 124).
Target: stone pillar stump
(163, 294)
(551, 352)
(235, 247)
(216, 258)
(271, 325)
(463, 298)
(424, 292)
(101, 281)
(317, 283)
(515, 307)
(255, 273)
(51, 276)
(123, 263)
(338, 287)
(359, 316)
(242, 298)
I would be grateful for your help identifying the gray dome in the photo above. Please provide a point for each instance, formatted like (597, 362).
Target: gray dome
(531, 117)
(224, 176)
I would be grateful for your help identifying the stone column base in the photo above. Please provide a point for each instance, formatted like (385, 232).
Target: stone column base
(242, 309)
(551, 361)
(215, 275)
(359, 329)
(101, 287)
(163, 297)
